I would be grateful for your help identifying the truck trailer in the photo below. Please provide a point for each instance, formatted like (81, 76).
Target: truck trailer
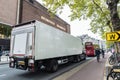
(35, 44)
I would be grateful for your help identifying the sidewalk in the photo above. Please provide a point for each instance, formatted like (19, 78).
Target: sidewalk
(91, 70)
(4, 60)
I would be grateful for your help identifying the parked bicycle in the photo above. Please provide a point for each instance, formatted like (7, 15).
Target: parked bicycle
(114, 73)
(112, 59)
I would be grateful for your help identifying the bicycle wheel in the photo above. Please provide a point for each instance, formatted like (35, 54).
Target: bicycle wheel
(113, 76)
(110, 76)
(111, 60)
(117, 76)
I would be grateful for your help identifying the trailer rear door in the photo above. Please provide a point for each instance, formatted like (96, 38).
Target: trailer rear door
(20, 43)
(22, 40)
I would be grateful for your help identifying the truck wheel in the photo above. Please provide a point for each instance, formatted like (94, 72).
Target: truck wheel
(84, 57)
(52, 66)
(12, 64)
(77, 58)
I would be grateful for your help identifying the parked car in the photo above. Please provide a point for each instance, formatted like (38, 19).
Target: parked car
(0, 53)
(5, 53)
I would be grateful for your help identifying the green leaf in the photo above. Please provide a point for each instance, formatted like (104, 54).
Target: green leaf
(96, 10)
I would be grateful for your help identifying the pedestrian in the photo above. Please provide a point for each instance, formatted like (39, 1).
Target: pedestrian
(103, 53)
(97, 52)
(113, 50)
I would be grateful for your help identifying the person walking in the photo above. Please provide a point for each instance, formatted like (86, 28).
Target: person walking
(97, 51)
(103, 53)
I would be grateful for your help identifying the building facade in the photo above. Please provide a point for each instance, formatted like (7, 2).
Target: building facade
(14, 12)
(8, 11)
(87, 38)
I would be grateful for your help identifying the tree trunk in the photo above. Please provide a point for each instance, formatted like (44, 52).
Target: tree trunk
(112, 6)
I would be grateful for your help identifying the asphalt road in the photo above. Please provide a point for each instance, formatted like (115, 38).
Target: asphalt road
(7, 73)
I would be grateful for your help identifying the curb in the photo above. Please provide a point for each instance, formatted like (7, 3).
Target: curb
(1, 63)
(71, 72)
(107, 68)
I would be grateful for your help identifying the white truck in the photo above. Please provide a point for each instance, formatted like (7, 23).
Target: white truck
(35, 45)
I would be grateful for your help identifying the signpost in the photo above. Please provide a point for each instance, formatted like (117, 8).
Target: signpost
(113, 36)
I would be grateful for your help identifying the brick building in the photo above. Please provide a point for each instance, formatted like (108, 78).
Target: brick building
(13, 12)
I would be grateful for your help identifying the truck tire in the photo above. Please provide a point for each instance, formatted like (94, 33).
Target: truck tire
(52, 66)
(77, 58)
(84, 57)
(12, 63)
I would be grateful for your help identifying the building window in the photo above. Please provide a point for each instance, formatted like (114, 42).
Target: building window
(32, 1)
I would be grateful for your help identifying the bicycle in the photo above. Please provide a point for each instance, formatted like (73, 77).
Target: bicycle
(114, 73)
(98, 58)
(112, 59)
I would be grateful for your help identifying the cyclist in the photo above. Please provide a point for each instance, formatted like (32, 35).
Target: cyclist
(97, 51)
(103, 53)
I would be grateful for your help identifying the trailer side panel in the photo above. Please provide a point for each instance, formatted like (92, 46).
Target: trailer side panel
(51, 43)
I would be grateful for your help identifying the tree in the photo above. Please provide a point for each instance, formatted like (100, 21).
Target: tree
(112, 6)
(5, 30)
(115, 20)
(103, 13)
(96, 10)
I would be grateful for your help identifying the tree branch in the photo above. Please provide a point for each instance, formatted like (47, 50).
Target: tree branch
(112, 6)
(108, 21)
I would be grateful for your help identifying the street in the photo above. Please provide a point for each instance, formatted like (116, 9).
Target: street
(58, 38)
(7, 73)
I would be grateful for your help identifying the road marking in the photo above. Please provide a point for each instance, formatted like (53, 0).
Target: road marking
(2, 75)
(4, 67)
(67, 74)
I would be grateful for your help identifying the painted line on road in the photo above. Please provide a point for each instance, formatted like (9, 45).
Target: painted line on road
(2, 75)
(67, 74)
(4, 67)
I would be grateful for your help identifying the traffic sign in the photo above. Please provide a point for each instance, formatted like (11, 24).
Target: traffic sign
(113, 36)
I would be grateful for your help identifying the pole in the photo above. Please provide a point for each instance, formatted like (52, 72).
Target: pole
(116, 51)
(116, 47)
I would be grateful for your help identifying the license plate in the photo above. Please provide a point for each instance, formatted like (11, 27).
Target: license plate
(116, 70)
(21, 63)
